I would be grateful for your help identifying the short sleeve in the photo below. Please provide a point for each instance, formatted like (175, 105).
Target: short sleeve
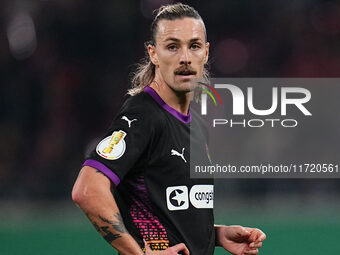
(124, 144)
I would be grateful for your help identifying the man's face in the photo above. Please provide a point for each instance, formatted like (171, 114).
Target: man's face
(180, 52)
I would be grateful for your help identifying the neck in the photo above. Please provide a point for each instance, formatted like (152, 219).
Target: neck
(179, 101)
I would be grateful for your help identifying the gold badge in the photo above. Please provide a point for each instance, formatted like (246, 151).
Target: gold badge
(112, 147)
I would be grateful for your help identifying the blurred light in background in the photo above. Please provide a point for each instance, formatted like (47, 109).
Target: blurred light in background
(231, 56)
(21, 35)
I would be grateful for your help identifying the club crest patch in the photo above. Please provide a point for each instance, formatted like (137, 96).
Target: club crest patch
(112, 147)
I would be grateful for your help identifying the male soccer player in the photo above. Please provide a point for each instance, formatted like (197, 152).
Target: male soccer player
(135, 187)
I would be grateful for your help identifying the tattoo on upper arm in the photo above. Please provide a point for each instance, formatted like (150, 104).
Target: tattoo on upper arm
(105, 230)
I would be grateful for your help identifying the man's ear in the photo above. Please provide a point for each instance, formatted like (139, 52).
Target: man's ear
(207, 46)
(152, 54)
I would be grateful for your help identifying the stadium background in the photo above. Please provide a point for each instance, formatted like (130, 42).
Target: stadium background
(64, 69)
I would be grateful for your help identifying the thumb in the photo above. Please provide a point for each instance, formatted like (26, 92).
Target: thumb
(147, 247)
(181, 247)
(244, 232)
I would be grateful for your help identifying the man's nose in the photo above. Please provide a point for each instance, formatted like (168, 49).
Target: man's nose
(185, 57)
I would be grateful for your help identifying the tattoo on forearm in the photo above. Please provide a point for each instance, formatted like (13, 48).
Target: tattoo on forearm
(96, 226)
(109, 236)
(117, 225)
(105, 230)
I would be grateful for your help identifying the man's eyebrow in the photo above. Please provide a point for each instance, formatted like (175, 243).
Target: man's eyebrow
(195, 39)
(172, 39)
(177, 40)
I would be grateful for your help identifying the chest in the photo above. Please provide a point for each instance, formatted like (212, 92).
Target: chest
(171, 149)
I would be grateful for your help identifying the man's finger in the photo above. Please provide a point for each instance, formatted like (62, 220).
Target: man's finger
(242, 231)
(262, 237)
(147, 247)
(251, 252)
(255, 245)
(259, 236)
(256, 235)
(181, 247)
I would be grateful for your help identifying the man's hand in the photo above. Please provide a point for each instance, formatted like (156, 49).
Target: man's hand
(173, 250)
(239, 240)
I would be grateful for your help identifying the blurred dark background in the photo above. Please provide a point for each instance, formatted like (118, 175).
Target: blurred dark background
(65, 67)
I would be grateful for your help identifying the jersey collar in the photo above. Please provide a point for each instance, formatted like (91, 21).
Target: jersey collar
(182, 117)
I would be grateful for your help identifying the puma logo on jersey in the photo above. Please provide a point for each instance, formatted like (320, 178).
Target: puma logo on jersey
(128, 121)
(176, 153)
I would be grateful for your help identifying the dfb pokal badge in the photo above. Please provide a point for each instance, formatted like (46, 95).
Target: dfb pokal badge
(112, 147)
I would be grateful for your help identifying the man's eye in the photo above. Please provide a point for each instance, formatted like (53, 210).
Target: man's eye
(195, 46)
(172, 47)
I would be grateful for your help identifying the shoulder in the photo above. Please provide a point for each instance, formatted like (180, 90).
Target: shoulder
(141, 102)
(141, 106)
(198, 123)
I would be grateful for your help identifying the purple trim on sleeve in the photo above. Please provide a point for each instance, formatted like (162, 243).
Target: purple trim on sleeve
(182, 117)
(104, 169)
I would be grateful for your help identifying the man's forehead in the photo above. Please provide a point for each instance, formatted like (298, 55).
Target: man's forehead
(186, 28)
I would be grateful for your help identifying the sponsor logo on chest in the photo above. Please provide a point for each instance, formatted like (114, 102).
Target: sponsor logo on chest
(200, 196)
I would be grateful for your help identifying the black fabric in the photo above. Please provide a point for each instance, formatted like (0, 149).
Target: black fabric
(148, 169)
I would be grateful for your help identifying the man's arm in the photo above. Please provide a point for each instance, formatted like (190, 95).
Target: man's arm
(92, 193)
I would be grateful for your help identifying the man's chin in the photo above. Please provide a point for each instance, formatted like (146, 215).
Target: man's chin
(184, 87)
(184, 84)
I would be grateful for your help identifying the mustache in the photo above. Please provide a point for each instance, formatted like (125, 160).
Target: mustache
(185, 70)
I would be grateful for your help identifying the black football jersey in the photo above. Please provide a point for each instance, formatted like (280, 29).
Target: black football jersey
(146, 154)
